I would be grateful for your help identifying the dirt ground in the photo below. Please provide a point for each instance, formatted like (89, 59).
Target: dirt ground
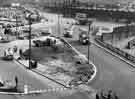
(61, 64)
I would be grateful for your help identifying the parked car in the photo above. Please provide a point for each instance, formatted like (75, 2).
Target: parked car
(81, 18)
(68, 32)
(83, 38)
(46, 32)
(49, 41)
(40, 43)
(26, 36)
(8, 55)
(4, 40)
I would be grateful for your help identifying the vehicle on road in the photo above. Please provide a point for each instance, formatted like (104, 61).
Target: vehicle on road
(8, 55)
(81, 18)
(68, 32)
(83, 37)
(46, 32)
(26, 36)
(49, 41)
(4, 39)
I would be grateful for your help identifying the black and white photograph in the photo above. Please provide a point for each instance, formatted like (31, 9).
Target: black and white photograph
(67, 49)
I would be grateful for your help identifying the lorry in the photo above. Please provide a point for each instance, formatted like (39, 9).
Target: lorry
(81, 18)
(84, 37)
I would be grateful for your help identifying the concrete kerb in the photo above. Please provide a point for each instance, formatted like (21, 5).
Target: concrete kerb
(12, 93)
(78, 53)
(112, 53)
(95, 69)
(38, 72)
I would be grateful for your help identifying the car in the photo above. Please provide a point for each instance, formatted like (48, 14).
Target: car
(68, 32)
(46, 32)
(26, 36)
(83, 38)
(4, 39)
(40, 43)
(48, 41)
(8, 55)
(81, 18)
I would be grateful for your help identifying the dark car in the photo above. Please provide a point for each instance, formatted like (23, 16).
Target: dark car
(83, 38)
(8, 56)
(68, 32)
(46, 42)
(22, 37)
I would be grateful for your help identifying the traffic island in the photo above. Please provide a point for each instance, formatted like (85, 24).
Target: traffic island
(60, 63)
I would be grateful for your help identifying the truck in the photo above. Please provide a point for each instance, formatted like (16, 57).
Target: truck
(84, 37)
(81, 18)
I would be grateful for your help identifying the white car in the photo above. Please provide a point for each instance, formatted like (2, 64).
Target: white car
(68, 32)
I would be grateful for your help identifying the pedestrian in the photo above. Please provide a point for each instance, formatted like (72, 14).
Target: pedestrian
(15, 48)
(20, 52)
(115, 96)
(16, 81)
(109, 96)
(97, 96)
(103, 95)
(10, 51)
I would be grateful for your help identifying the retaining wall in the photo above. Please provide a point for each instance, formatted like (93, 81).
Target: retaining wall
(117, 50)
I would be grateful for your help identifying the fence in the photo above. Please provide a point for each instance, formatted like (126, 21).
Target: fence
(117, 50)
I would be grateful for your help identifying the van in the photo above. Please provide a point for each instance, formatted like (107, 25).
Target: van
(83, 37)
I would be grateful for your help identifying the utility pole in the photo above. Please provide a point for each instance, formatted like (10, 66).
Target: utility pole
(29, 17)
(16, 5)
(58, 24)
(16, 26)
(90, 22)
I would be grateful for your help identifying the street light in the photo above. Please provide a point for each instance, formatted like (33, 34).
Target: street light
(90, 22)
(29, 18)
(16, 5)
(59, 26)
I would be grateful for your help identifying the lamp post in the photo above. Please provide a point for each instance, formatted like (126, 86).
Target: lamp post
(59, 25)
(90, 22)
(16, 5)
(29, 17)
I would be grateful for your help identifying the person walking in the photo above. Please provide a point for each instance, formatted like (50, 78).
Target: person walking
(16, 81)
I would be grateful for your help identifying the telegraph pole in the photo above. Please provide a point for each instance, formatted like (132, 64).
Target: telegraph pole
(29, 17)
(59, 25)
(90, 22)
(16, 26)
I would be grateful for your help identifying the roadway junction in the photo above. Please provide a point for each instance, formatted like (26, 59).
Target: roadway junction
(112, 73)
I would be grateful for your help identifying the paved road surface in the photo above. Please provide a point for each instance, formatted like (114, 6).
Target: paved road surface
(9, 69)
(112, 72)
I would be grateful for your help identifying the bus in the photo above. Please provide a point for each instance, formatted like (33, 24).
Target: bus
(81, 18)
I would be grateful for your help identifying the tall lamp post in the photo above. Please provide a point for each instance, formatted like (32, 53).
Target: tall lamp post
(59, 25)
(16, 5)
(30, 22)
(90, 22)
